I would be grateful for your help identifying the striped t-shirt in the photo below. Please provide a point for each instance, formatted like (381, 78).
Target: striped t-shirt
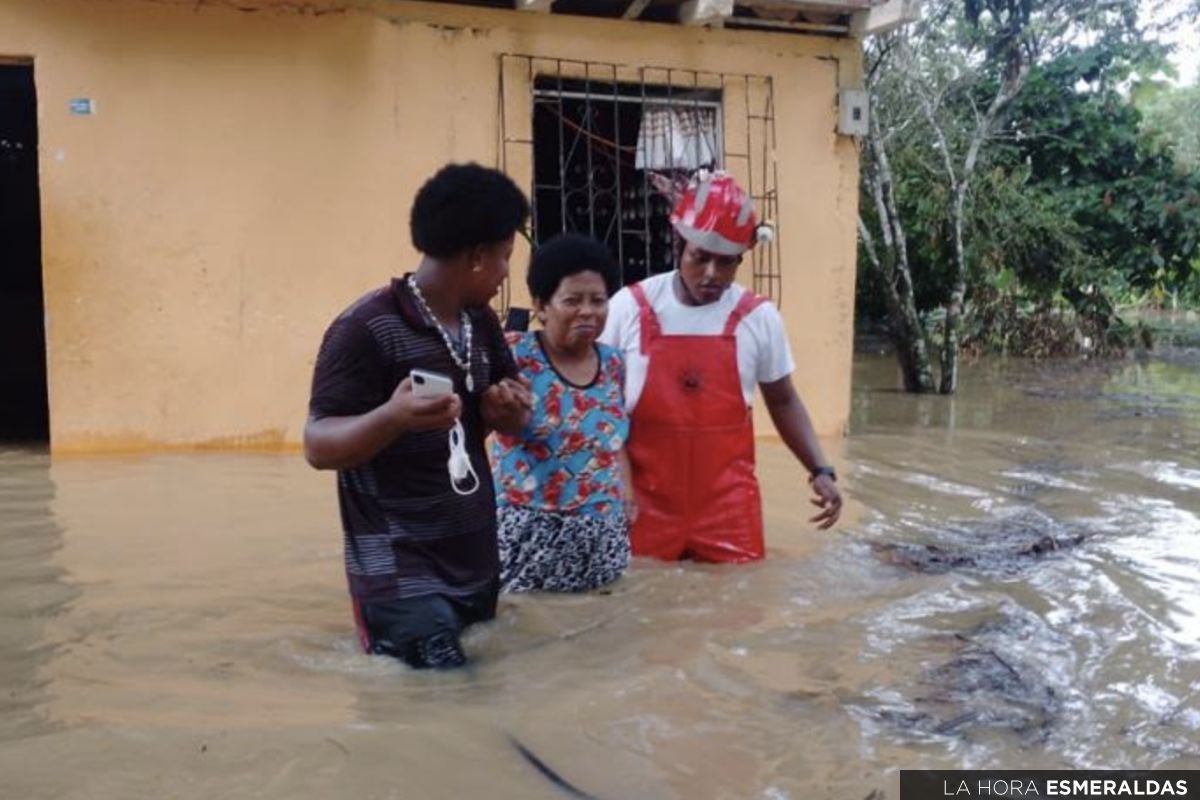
(406, 532)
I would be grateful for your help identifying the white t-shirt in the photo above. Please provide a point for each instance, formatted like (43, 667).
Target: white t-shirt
(762, 346)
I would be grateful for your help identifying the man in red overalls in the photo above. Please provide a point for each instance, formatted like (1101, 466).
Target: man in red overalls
(696, 344)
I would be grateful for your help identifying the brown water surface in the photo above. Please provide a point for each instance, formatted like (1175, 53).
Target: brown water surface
(177, 626)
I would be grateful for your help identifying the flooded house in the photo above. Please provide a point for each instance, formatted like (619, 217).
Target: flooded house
(191, 189)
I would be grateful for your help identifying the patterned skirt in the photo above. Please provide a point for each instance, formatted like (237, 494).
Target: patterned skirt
(541, 551)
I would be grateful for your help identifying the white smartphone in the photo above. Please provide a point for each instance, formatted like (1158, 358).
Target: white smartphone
(430, 384)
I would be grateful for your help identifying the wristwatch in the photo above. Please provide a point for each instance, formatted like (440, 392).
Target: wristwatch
(825, 470)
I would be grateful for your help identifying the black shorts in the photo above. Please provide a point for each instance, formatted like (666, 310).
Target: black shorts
(422, 631)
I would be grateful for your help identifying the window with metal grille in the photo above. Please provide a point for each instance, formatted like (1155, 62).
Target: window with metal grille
(593, 140)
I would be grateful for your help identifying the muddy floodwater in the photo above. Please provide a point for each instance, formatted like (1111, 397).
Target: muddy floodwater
(1014, 585)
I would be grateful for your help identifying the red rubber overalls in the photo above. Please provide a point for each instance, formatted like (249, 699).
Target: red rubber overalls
(691, 446)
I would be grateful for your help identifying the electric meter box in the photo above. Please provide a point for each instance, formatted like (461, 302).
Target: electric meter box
(853, 108)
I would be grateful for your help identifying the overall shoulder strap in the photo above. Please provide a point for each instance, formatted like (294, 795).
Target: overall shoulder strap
(649, 320)
(746, 304)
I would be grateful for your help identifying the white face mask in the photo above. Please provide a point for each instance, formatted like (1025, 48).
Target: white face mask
(460, 463)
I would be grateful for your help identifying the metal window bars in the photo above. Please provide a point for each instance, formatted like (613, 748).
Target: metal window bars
(587, 137)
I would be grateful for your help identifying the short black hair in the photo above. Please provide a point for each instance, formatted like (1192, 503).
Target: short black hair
(464, 206)
(570, 254)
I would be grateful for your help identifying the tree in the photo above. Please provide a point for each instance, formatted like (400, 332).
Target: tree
(1173, 114)
(941, 92)
(1136, 208)
(889, 261)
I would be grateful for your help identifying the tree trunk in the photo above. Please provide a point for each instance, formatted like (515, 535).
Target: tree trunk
(893, 268)
(958, 294)
(903, 321)
(961, 181)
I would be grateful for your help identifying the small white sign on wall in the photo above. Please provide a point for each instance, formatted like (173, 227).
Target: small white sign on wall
(84, 106)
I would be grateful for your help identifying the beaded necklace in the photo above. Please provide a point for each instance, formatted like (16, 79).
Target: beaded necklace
(464, 320)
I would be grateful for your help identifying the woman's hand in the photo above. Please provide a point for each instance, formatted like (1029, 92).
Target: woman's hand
(630, 502)
(631, 508)
(829, 500)
(506, 406)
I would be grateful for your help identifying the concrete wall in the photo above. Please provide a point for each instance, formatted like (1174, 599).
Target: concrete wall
(248, 172)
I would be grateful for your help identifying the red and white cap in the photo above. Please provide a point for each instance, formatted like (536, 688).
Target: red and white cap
(715, 214)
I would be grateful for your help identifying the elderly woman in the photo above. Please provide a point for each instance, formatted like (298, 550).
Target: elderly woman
(561, 484)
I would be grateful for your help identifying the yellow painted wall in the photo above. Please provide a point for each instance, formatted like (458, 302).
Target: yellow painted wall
(248, 173)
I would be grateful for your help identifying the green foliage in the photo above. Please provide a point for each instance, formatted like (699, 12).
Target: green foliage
(1136, 212)
(1024, 242)
(1171, 115)
(1088, 194)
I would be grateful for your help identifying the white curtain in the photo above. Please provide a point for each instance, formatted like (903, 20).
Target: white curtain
(677, 136)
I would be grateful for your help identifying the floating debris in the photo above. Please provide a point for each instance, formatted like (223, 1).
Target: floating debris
(980, 687)
(548, 772)
(1003, 544)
